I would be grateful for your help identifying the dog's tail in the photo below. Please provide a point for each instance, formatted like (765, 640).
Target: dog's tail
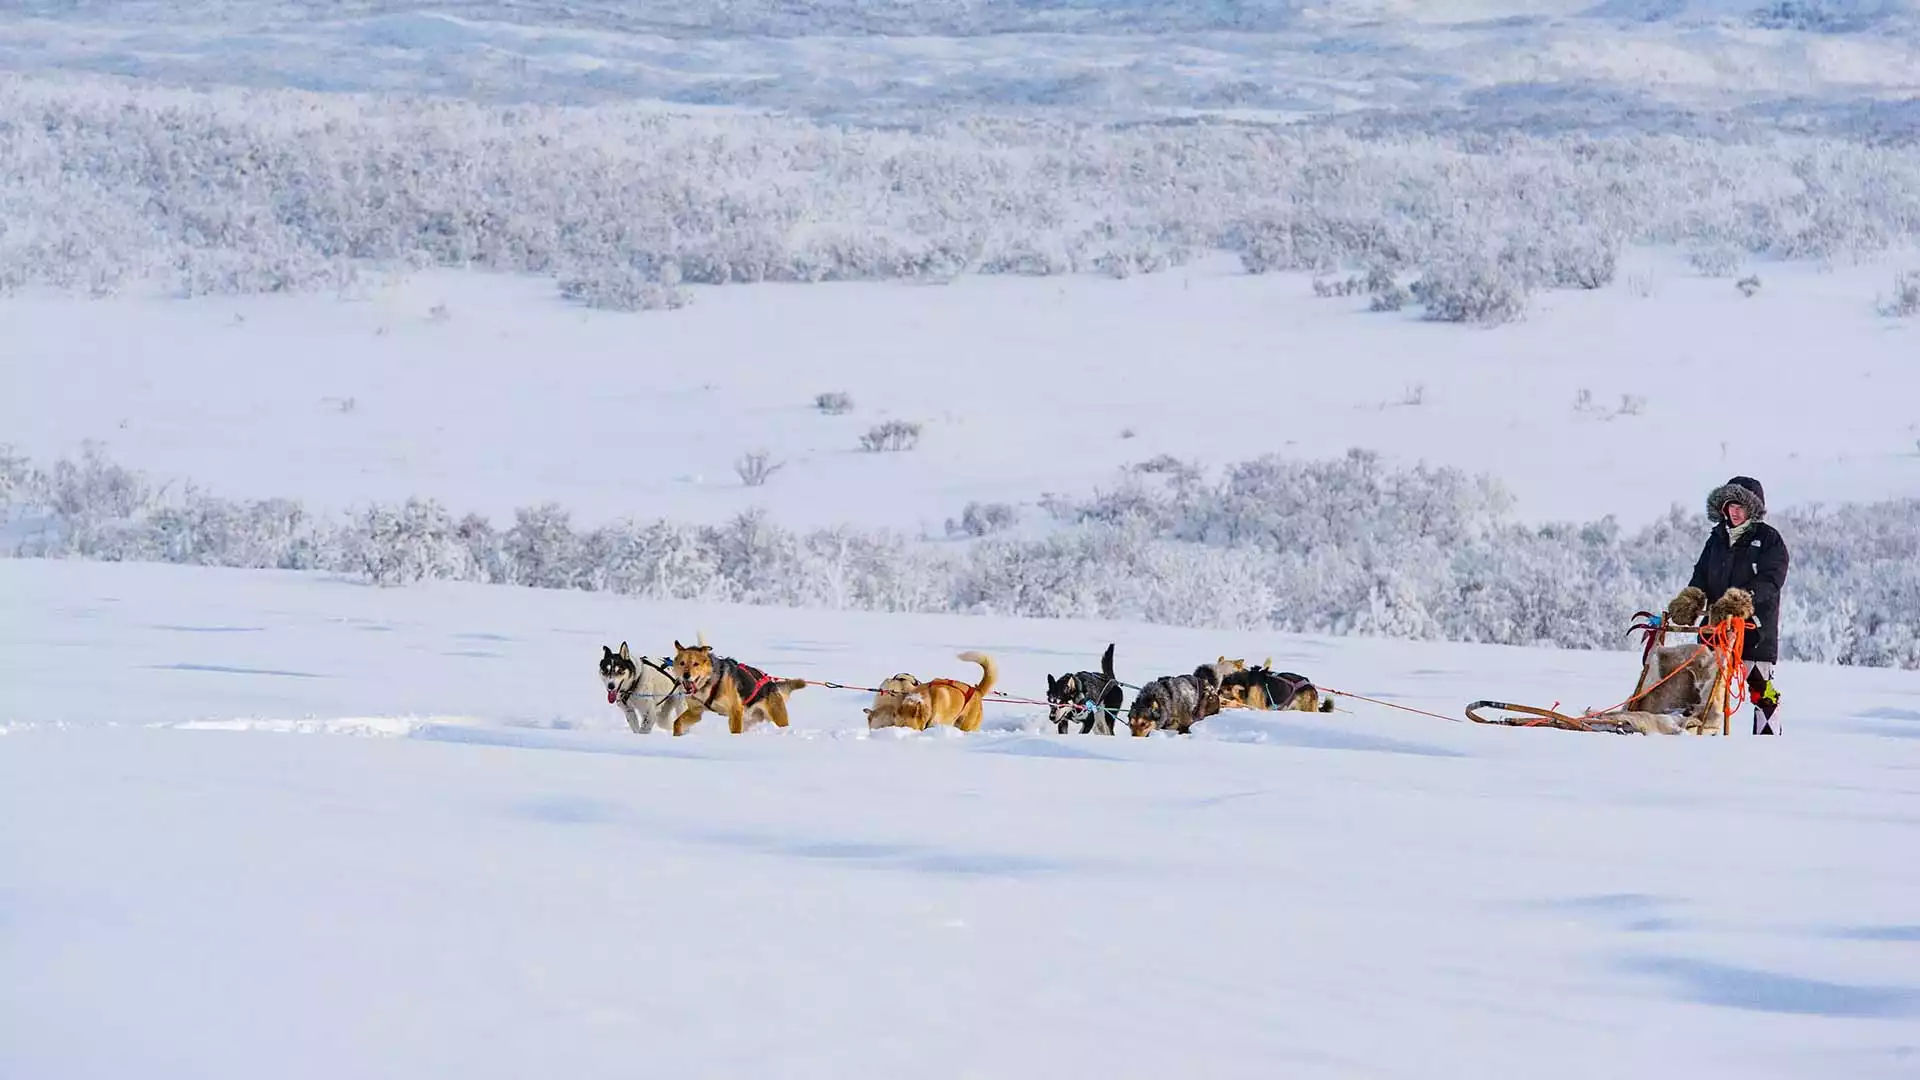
(989, 671)
(1106, 663)
(790, 685)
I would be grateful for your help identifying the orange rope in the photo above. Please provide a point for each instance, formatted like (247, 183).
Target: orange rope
(1387, 704)
(1591, 713)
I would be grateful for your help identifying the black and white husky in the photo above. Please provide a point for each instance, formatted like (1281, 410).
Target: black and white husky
(1090, 698)
(644, 687)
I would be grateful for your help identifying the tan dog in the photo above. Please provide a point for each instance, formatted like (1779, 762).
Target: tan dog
(901, 701)
(720, 684)
(942, 701)
(1264, 688)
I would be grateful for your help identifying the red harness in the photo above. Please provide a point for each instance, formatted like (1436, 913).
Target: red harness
(966, 691)
(746, 699)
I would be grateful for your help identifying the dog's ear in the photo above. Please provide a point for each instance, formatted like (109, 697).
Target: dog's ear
(1053, 685)
(1267, 663)
(605, 652)
(677, 647)
(624, 654)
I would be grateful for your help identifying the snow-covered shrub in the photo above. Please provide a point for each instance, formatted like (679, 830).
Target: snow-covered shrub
(1391, 298)
(1905, 303)
(983, 519)
(16, 478)
(1582, 264)
(1165, 465)
(1350, 286)
(1817, 16)
(1748, 285)
(1474, 291)
(1715, 260)
(833, 402)
(756, 467)
(86, 503)
(894, 435)
(399, 545)
(1343, 546)
(275, 190)
(542, 550)
(623, 289)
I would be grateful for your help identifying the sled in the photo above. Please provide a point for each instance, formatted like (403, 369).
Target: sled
(1533, 716)
(1721, 641)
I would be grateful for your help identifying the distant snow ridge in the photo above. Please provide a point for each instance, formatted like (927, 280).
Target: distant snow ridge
(110, 185)
(1347, 546)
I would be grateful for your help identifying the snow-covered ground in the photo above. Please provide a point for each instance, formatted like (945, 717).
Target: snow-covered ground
(273, 824)
(503, 881)
(1623, 401)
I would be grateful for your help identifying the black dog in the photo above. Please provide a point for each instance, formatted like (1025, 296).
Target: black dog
(1176, 702)
(1091, 697)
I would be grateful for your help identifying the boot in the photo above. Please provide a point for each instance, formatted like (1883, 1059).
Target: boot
(1766, 700)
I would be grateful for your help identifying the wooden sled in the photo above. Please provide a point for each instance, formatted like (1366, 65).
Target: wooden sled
(1718, 643)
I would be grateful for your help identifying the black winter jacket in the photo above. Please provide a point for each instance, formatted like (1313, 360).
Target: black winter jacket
(1758, 565)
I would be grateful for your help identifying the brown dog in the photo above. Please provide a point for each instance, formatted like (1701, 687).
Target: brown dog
(901, 701)
(1264, 688)
(907, 702)
(720, 684)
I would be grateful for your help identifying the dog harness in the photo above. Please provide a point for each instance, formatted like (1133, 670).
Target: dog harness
(626, 696)
(966, 691)
(761, 679)
(1295, 685)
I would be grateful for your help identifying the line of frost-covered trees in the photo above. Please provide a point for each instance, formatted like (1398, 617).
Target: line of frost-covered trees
(1343, 546)
(109, 183)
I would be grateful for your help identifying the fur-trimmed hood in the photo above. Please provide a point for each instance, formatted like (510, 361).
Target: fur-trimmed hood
(1744, 490)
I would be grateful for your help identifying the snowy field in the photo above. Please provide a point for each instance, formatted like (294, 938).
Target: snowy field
(260, 823)
(489, 393)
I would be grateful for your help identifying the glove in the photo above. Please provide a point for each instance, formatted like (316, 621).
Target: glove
(1685, 609)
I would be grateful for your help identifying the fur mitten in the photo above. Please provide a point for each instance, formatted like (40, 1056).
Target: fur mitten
(1733, 604)
(1685, 608)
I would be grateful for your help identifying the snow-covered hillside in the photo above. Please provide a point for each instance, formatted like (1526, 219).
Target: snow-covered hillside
(1568, 61)
(500, 880)
(489, 393)
(843, 333)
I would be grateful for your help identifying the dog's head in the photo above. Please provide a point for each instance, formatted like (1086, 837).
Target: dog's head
(1150, 707)
(694, 663)
(617, 671)
(1224, 667)
(901, 699)
(904, 689)
(1237, 691)
(1066, 699)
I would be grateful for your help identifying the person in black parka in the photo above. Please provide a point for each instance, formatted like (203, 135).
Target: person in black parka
(1744, 552)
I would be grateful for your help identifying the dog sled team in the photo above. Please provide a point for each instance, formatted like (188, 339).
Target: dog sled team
(674, 691)
(1737, 579)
